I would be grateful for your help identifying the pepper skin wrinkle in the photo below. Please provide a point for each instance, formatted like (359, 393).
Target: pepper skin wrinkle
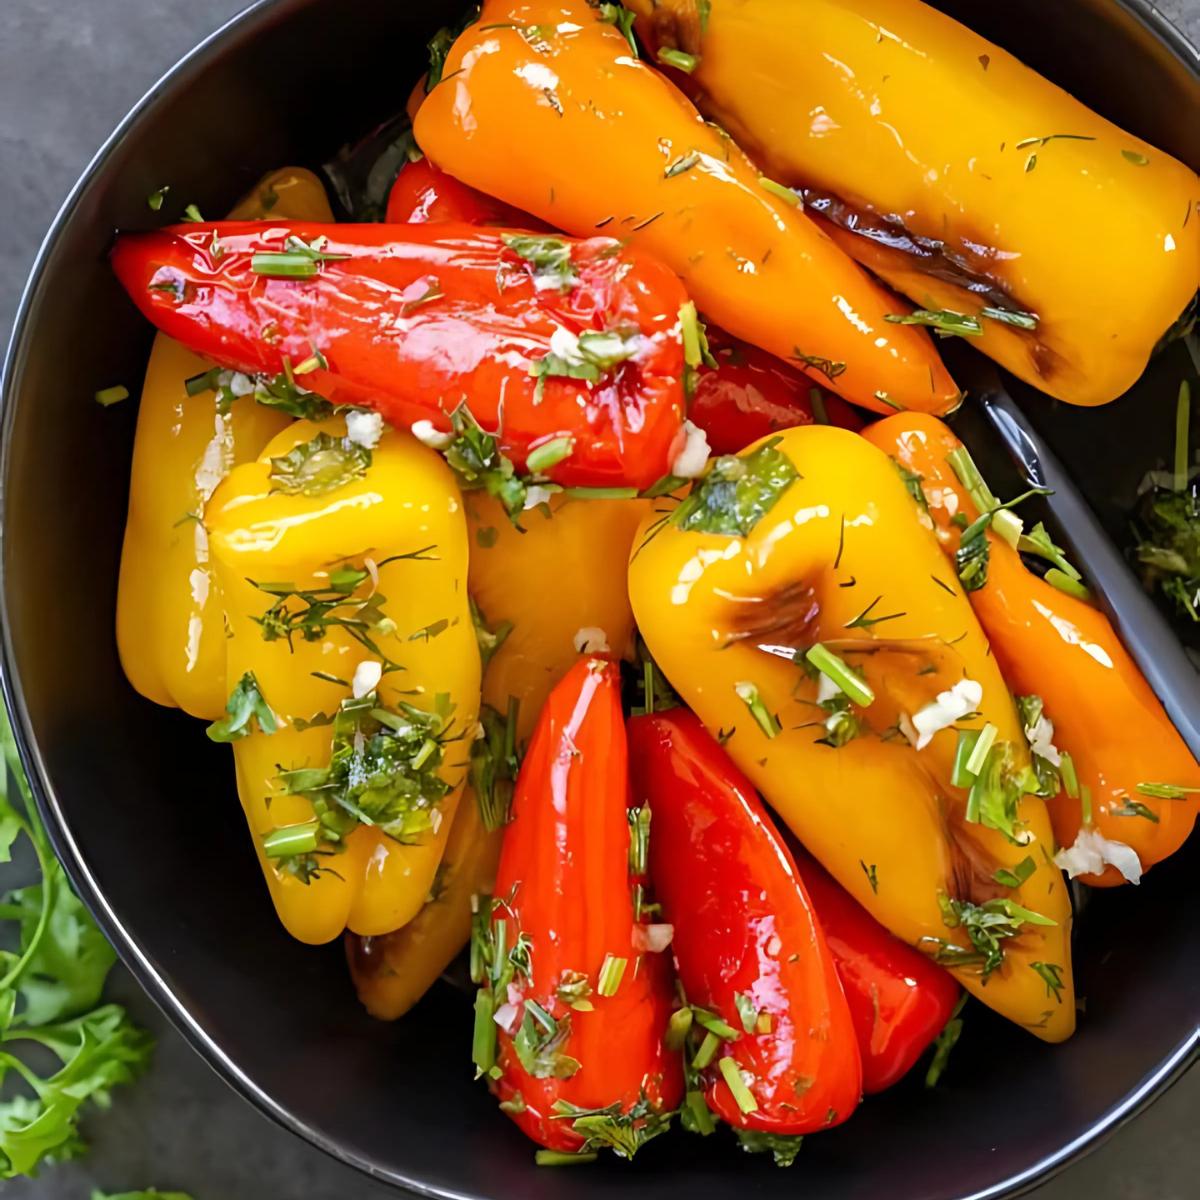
(744, 926)
(1066, 651)
(539, 100)
(416, 320)
(564, 573)
(170, 623)
(405, 502)
(720, 611)
(957, 174)
(564, 884)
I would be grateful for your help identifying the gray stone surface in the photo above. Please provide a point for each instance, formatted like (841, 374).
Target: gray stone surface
(68, 70)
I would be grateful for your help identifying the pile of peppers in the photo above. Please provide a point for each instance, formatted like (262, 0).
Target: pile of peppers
(579, 566)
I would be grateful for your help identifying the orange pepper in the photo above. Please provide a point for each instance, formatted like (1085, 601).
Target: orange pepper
(1061, 648)
(543, 105)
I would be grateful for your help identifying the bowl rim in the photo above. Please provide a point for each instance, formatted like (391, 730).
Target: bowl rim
(244, 25)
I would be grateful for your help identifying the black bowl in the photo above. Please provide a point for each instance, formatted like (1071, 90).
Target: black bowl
(142, 808)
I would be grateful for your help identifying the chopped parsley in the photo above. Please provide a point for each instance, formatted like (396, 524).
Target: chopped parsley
(1052, 976)
(495, 761)
(782, 1146)
(246, 705)
(622, 1132)
(737, 492)
(988, 926)
(944, 1043)
(549, 257)
(475, 457)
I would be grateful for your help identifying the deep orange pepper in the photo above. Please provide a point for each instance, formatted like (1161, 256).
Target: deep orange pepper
(1063, 649)
(543, 105)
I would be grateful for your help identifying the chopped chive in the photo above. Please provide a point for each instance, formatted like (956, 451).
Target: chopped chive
(748, 694)
(678, 59)
(1183, 412)
(559, 1158)
(747, 1013)
(714, 1024)
(1085, 804)
(1064, 583)
(963, 465)
(1020, 320)
(1008, 526)
(285, 265)
(316, 361)
(960, 775)
(1018, 874)
(695, 1116)
(1166, 791)
(1138, 160)
(548, 454)
(1135, 808)
(737, 1085)
(192, 214)
(1070, 780)
(292, 839)
(111, 395)
(154, 201)
(611, 973)
(678, 1028)
(684, 163)
(707, 1052)
(981, 749)
(601, 493)
(483, 1040)
(778, 189)
(847, 679)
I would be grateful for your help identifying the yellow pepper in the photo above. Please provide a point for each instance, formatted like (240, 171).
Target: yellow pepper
(940, 161)
(170, 623)
(799, 603)
(535, 591)
(543, 105)
(343, 571)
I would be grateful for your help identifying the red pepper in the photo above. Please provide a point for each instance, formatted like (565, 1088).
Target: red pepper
(899, 1000)
(572, 1013)
(423, 194)
(751, 393)
(416, 321)
(747, 946)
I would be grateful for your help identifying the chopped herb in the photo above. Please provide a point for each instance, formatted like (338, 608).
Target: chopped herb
(737, 492)
(847, 679)
(912, 483)
(495, 761)
(490, 640)
(192, 215)
(678, 59)
(612, 971)
(154, 201)
(246, 704)
(549, 454)
(1070, 779)
(476, 458)
(1005, 316)
(539, 1044)
(783, 1146)
(562, 1158)
(827, 366)
(439, 46)
(685, 162)
(995, 794)
(971, 557)
(1166, 791)
(550, 258)
(112, 395)
(746, 1011)
(623, 18)
(1134, 808)
(1051, 974)
(1138, 160)
(1038, 542)
(639, 839)
(1018, 875)
(624, 1133)
(872, 876)
(864, 620)
(778, 189)
(713, 1024)
(732, 1075)
(944, 322)
(573, 988)
(1067, 585)
(300, 260)
(657, 694)
(944, 1043)
(319, 466)
(989, 925)
(433, 291)
(747, 693)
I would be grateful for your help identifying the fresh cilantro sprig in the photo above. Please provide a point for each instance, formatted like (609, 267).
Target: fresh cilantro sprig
(50, 987)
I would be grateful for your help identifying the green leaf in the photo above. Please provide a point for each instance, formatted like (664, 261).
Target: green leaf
(320, 466)
(622, 1132)
(246, 703)
(783, 1146)
(737, 492)
(475, 457)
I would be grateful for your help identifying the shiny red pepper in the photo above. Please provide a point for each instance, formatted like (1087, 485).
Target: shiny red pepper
(899, 1000)
(416, 321)
(572, 1012)
(751, 393)
(746, 943)
(423, 194)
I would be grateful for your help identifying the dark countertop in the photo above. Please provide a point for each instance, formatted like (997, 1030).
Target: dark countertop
(69, 69)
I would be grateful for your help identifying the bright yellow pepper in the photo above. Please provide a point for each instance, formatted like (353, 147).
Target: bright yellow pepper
(381, 537)
(564, 574)
(810, 540)
(908, 130)
(170, 623)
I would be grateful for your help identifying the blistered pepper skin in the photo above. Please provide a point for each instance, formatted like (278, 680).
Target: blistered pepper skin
(406, 502)
(744, 927)
(416, 320)
(1049, 208)
(170, 624)
(1066, 651)
(842, 540)
(572, 105)
(564, 574)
